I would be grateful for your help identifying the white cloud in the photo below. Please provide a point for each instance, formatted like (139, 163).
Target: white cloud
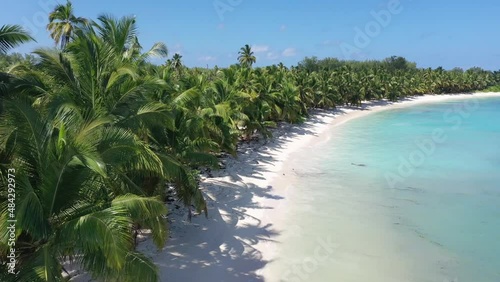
(272, 56)
(207, 58)
(260, 48)
(289, 52)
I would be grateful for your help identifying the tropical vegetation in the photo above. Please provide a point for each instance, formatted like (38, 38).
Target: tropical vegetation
(97, 134)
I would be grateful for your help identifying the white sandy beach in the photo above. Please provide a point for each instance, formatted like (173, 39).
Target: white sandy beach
(248, 199)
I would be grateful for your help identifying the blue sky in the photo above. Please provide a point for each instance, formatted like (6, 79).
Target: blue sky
(446, 33)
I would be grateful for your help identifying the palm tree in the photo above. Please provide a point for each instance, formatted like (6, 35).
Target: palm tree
(90, 160)
(176, 62)
(63, 22)
(289, 102)
(246, 56)
(11, 36)
(69, 207)
(121, 36)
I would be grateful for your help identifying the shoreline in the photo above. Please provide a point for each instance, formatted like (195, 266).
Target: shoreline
(248, 199)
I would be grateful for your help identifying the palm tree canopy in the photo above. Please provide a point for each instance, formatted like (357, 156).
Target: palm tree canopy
(246, 56)
(62, 23)
(121, 35)
(176, 62)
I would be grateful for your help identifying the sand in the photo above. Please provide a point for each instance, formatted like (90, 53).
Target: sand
(248, 200)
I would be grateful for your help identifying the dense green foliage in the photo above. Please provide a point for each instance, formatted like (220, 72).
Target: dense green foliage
(495, 88)
(80, 160)
(11, 60)
(496, 83)
(95, 131)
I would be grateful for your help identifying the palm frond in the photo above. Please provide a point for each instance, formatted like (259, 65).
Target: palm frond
(159, 50)
(147, 211)
(12, 36)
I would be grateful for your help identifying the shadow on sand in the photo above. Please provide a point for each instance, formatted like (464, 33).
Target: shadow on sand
(222, 247)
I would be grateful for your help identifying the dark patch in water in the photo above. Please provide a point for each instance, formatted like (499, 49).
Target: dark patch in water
(411, 189)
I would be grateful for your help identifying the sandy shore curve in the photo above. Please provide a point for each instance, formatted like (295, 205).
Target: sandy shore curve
(247, 199)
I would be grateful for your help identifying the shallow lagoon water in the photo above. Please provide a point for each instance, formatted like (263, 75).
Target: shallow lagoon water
(409, 194)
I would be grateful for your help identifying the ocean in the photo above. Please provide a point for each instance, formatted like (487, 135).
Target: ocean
(405, 194)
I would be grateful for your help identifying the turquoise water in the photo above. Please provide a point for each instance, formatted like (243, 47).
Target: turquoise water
(410, 194)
